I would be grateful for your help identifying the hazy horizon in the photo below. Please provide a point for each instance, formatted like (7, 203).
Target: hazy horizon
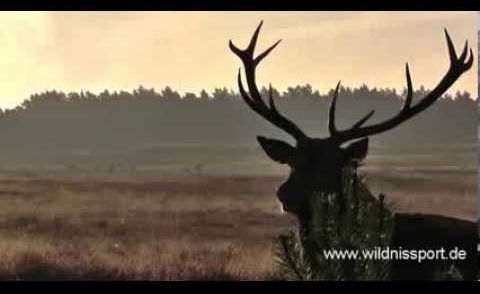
(94, 51)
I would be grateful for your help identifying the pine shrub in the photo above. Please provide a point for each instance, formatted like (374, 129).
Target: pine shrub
(351, 220)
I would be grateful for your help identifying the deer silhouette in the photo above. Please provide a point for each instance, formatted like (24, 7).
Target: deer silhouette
(317, 163)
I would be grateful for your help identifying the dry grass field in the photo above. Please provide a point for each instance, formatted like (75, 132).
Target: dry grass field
(160, 226)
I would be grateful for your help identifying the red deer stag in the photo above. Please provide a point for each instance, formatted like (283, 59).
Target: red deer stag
(317, 163)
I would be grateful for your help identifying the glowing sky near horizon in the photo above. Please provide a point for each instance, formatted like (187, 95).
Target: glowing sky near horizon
(188, 51)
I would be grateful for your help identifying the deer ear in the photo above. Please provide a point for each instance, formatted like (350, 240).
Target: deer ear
(277, 150)
(357, 150)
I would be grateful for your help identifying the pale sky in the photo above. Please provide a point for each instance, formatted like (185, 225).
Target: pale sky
(188, 51)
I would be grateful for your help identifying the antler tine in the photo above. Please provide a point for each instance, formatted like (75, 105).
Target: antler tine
(246, 55)
(465, 51)
(261, 56)
(408, 99)
(451, 48)
(458, 66)
(363, 120)
(331, 112)
(271, 102)
(254, 99)
(244, 93)
(462, 63)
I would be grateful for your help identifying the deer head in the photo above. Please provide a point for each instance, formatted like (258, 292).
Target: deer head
(317, 163)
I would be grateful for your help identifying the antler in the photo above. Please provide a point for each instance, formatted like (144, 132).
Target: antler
(457, 67)
(254, 98)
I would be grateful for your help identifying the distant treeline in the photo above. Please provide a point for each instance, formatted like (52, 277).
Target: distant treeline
(299, 94)
(54, 120)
